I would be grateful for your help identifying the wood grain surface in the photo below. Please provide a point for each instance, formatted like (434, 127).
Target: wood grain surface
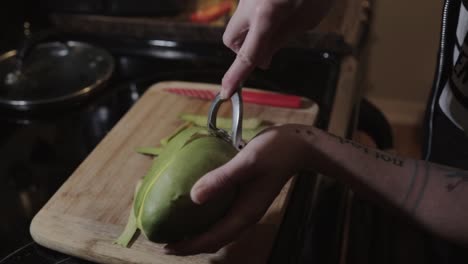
(90, 209)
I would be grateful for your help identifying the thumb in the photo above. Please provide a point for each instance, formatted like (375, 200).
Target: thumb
(220, 180)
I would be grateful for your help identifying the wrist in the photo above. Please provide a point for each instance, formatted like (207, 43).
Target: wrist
(302, 139)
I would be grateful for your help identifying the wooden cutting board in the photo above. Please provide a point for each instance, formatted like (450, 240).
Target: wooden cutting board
(90, 209)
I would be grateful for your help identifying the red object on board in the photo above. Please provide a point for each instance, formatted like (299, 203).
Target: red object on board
(261, 98)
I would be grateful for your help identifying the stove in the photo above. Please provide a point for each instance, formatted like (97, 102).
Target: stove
(40, 149)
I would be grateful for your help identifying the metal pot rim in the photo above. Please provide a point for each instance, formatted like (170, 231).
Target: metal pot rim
(74, 96)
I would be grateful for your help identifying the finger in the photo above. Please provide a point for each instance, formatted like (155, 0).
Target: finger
(230, 227)
(236, 29)
(255, 44)
(223, 179)
(236, 74)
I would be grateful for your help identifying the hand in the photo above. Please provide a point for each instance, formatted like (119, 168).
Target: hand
(259, 28)
(259, 171)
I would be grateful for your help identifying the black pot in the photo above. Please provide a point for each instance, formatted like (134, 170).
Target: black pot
(53, 74)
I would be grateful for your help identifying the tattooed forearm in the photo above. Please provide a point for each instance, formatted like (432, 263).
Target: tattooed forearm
(455, 177)
(377, 154)
(422, 190)
(417, 185)
(389, 158)
(308, 132)
(412, 181)
(421, 175)
(459, 177)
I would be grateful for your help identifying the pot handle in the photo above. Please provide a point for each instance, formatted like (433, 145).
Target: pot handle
(32, 41)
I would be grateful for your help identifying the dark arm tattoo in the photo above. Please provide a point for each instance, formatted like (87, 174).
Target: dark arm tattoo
(459, 177)
(422, 174)
(419, 177)
(455, 177)
(422, 190)
(379, 155)
(417, 185)
(412, 181)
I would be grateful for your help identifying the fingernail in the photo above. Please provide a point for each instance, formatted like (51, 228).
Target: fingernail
(168, 251)
(195, 193)
(237, 45)
(226, 84)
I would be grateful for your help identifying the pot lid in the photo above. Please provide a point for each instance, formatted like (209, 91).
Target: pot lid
(53, 72)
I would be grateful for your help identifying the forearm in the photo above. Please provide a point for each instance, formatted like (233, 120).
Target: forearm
(433, 195)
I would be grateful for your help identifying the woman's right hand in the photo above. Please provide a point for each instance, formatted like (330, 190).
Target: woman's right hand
(259, 28)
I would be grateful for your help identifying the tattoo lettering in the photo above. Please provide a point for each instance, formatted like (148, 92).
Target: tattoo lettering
(308, 132)
(385, 157)
(377, 154)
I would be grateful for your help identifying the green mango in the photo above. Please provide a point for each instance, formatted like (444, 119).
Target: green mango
(163, 210)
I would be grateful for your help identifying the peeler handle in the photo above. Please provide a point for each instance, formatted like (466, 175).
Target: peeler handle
(237, 111)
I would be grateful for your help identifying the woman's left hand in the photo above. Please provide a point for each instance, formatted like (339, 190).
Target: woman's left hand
(259, 171)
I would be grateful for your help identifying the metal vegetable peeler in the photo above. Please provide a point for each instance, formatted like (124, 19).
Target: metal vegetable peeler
(235, 138)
